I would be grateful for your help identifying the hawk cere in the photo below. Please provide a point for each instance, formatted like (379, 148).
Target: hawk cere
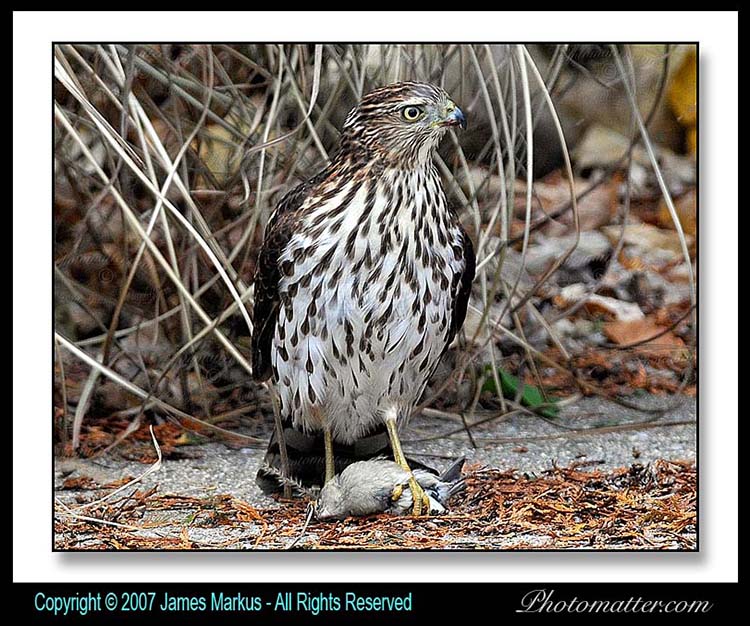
(362, 283)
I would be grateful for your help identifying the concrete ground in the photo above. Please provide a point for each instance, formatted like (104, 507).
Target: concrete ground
(524, 443)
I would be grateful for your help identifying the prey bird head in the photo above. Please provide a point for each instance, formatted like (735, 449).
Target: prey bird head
(331, 502)
(401, 124)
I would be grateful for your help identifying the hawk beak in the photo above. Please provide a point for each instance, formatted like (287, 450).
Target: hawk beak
(455, 117)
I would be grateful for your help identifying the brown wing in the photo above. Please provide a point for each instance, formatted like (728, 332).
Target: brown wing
(465, 248)
(279, 231)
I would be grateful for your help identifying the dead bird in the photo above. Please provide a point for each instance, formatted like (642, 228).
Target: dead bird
(382, 486)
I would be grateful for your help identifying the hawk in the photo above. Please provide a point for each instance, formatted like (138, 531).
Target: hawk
(362, 283)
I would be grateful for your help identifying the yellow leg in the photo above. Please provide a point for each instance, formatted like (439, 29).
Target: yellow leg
(421, 501)
(330, 464)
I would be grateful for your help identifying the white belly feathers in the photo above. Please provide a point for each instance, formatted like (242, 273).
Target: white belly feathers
(365, 303)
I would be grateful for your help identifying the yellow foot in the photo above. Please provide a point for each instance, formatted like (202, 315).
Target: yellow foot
(421, 501)
(421, 504)
(397, 491)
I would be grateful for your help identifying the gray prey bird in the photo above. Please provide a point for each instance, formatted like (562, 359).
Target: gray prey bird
(381, 486)
(361, 285)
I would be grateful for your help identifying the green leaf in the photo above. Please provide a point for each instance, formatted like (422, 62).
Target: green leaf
(531, 396)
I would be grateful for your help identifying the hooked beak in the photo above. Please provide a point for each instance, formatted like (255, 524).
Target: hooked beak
(455, 117)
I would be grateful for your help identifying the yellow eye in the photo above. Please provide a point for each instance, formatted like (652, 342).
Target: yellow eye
(412, 113)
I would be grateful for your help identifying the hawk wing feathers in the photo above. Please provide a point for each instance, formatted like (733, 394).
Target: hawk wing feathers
(279, 230)
(461, 299)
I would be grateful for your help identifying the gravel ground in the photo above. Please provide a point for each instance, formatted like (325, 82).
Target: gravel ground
(526, 444)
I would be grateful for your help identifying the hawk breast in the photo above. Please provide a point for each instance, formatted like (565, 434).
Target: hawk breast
(369, 297)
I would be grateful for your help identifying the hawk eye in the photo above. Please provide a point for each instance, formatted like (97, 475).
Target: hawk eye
(412, 113)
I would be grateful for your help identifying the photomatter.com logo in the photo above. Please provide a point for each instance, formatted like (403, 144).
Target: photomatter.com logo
(544, 601)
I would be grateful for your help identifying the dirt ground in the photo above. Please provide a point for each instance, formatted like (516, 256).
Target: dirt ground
(598, 477)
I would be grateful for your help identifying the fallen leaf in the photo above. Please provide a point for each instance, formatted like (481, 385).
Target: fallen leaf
(649, 237)
(630, 332)
(621, 311)
(683, 96)
(80, 482)
(686, 209)
(531, 396)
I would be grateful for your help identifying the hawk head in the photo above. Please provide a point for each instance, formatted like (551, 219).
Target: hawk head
(401, 124)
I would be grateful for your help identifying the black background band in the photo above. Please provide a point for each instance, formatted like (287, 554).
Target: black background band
(442, 603)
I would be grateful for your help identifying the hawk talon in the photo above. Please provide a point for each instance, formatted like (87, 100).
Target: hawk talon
(398, 490)
(420, 499)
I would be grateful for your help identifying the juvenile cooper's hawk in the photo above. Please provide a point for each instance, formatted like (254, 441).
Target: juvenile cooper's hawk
(361, 284)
